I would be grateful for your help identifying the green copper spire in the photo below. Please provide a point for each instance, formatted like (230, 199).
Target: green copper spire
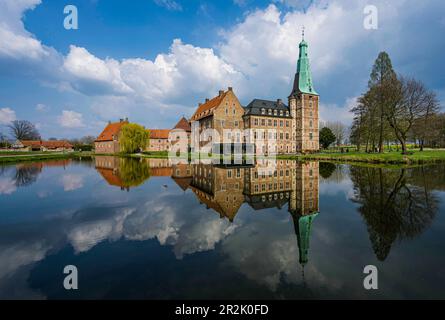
(303, 77)
(303, 229)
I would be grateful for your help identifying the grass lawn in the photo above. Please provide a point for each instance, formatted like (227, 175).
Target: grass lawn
(38, 156)
(426, 156)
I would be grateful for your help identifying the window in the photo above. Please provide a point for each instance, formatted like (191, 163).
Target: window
(263, 122)
(275, 112)
(269, 122)
(281, 135)
(310, 104)
(287, 123)
(281, 112)
(269, 111)
(310, 135)
(281, 123)
(287, 136)
(275, 123)
(310, 124)
(256, 121)
(236, 123)
(263, 111)
(234, 111)
(287, 113)
(227, 111)
(229, 173)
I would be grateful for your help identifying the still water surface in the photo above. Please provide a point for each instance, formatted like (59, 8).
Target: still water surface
(150, 229)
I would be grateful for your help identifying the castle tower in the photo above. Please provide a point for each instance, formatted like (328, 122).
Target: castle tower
(303, 102)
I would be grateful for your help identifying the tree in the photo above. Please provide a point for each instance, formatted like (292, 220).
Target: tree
(133, 138)
(395, 204)
(23, 130)
(3, 141)
(326, 137)
(382, 75)
(410, 101)
(338, 129)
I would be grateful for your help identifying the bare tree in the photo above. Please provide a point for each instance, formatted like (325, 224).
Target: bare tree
(338, 129)
(409, 102)
(23, 130)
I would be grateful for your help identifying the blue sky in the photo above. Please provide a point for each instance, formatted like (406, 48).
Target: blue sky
(155, 60)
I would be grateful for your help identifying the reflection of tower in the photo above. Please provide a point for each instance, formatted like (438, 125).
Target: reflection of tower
(304, 205)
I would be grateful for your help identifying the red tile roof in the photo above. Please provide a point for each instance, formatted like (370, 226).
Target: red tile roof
(183, 124)
(206, 109)
(31, 143)
(159, 133)
(110, 131)
(53, 144)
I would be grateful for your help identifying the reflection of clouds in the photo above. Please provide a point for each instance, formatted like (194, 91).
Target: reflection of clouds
(85, 236)
(14, 256)
(203, 236)
(43, 193)
(331, 188)
(264, 250)
(188, 231)
(72, 182)
(7, 186)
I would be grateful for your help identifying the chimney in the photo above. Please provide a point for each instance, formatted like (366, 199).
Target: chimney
(109, 121)
(221, 92)
(230, 89)
(126, 119)
(199, 104)
(207, 100)
(279, 101)
(121, 120)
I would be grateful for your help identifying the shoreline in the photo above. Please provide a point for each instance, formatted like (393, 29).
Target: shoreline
(388, 158)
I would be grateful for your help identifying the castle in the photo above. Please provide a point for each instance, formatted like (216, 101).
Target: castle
(272, 126)
(265, 127)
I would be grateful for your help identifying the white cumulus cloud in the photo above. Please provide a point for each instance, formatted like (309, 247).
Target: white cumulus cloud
(71, 119)
(7, 115)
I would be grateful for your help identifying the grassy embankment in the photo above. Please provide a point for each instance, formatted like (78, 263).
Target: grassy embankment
(11, 157)
(394, 157)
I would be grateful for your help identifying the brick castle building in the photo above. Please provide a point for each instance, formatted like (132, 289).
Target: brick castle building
(272, 126)
(266, 126)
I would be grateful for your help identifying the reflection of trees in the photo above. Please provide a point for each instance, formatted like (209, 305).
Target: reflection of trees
(392, 207)
(133, 172)
(26, 175)
(326, 169)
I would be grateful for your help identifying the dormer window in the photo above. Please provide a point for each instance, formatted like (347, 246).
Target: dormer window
(263, 111)
(275, 112)
(287, 113)
(281, 112)
(269, 111)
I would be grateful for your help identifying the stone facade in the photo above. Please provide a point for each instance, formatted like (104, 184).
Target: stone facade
(159, 140)
(108, 141)
(271, 126)
(223, 112)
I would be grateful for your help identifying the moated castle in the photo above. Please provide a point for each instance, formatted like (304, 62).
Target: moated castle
(281, 128)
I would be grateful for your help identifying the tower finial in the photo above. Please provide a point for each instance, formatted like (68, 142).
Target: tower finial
(302, 32)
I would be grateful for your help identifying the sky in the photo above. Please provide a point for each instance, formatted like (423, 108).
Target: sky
(153, 61)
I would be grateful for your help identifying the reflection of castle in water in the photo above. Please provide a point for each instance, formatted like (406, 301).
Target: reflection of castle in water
(224, 189)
